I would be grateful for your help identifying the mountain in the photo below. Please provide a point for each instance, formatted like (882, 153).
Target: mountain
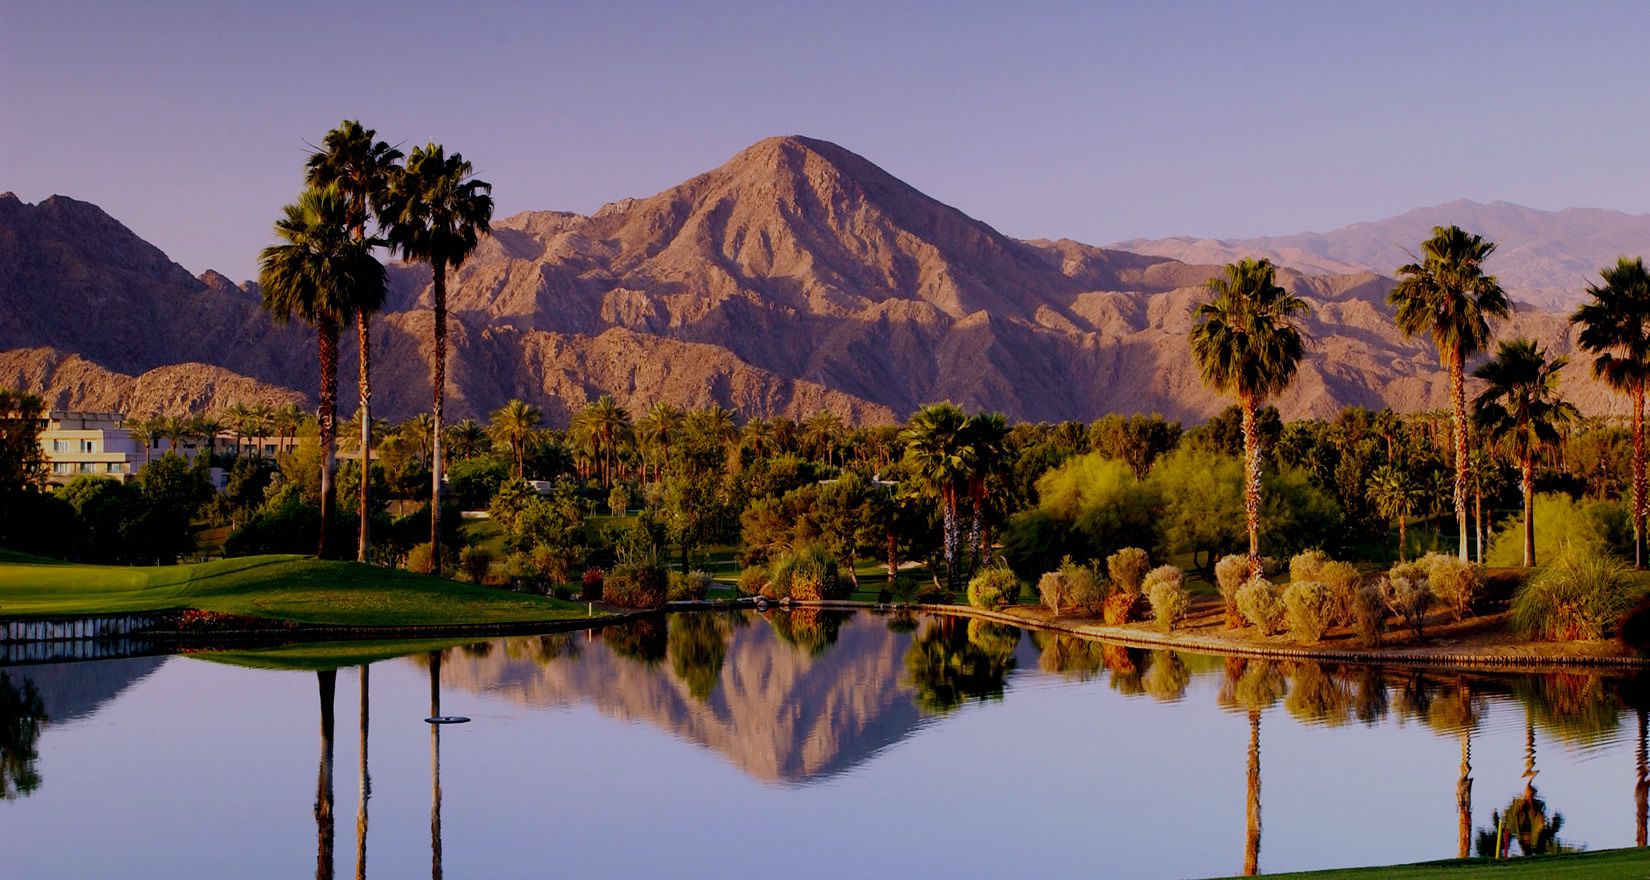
(798, 276)
(1545, 258)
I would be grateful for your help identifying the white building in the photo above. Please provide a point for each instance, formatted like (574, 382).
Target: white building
(96, 444)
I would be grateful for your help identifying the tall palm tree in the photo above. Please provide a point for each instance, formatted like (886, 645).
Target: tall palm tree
(516, 425)
(466, 440)
(1394, 490)
(757, 435)
(659, 427)
(261, 419)
(1521, 409)
(360, 167)
(609, 424)
(1247, 343)
(936, 446)
(285, 421)
(237, 416)
(820, 432)
(319, 274)
(141, 431)
(419, 432)
(988, 439)
(1448, 295)
(1615, 329)
(207, 428)
(436, 212)
(1387, 424)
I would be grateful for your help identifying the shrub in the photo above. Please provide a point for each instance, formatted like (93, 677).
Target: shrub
(1309, 608)
(905, 589)
(1634, 628)
(752, 580)
(1231, 572)
(1308, 565)
(1118, 608)
(419, 559)
(1369, 614)
(477, 561)
(618, 500)
(1343, 580)
(1258, 601)
(807, 574)
(636, 586)
(1579, 595)
(1054, 591)
(993, 587)
(691, 587)
(1127, 568)
(591, 584)
(1457, 584)
(1407, 594)
(550, 563)
(1165, 588)
(1085, 585)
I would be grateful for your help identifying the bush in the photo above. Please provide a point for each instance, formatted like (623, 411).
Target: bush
(1369, 614)
(1054, 591)
(1407, 594)
(618, 500)
(1127, 568)
(1258, 601)
(1309, 608)
(1231, 572)
(905, 589)
(691, 587)
(752, 579)
(1457, 584)
(591, 584)
(1561, 522)
(419, 560)
(993, 587)
(1085, 585)
(635, 586)
(1579, 595)
(807, 574)
(473, 482)
(1165, 588)
(477, 562)
(1343, 580)
(1308, 565)
(1634, 628)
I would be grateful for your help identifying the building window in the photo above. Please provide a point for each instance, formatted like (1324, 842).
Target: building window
(88, 446)
(60, 446)
(117, 467)
(62, 467)
(87, 467)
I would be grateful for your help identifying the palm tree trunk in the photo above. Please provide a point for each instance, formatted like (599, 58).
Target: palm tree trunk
(327, 335)
(1478, 516)
(1251, 480)
(1641, 790)
(438, 382)
(328, 683)
(893, 559)
(1527, 484)
(1638, 477)
(951, 540)
(1463, 797)
(1401, 536)
(1458, 399)
(365, 786)
(364, 549)
(974, 532)
(435, 766)
(1251, 841)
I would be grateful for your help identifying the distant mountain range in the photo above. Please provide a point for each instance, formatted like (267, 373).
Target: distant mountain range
(798, 276)
(1545, 258)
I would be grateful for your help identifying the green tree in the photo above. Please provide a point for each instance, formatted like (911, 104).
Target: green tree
(658, 428)
(1615, 328)
(608, 424)
(516, 425)
(1521, 410)
(1394, 490)
(987, 438)
(1448, 295)
(466, 440)
(437, 212)
(820, 433)
(360, 168)
(940, 459)
(1247, 344)
(22, 459)
(321, 274)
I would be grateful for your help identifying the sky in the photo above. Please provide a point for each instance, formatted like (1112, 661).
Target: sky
(190, 121)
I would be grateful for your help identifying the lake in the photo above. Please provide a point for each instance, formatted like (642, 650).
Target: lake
(801, 744)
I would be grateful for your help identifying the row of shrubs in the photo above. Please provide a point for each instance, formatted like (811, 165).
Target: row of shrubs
(806, 574)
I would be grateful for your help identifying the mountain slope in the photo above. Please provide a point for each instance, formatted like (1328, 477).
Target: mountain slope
(1544, 257)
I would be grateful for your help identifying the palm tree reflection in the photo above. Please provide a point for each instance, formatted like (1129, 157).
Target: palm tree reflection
(327, 681)
(435, 766)
(365, 786)
(1252, 686)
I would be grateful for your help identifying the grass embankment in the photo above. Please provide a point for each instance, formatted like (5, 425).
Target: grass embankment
(297, 589)
(316, 656)
(1609, 864)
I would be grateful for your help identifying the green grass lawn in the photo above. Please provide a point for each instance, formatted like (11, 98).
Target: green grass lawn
(316, 656)
(291, 588)
(1609, 864)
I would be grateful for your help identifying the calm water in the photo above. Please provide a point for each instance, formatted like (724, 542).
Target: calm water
(800, 745)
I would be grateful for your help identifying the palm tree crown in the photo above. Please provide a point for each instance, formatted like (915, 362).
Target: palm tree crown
(1246, 341)
(516, 426)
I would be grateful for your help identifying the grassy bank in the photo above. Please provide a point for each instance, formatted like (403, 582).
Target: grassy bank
(1609, 864)
(297, 589)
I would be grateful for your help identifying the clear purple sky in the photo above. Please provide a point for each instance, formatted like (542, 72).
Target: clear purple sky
(1094, 121)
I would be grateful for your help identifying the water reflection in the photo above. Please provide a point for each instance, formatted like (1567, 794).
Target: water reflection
(950, 663)
(364, 785)
(327, 682)
(22, 715)
(435, 761)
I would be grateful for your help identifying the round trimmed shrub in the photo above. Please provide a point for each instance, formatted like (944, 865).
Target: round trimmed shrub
(477, 561)
(1309, 608)
(1231, 572)
(993, 588)
(1368, 614)
(1054, 591)
(1086, 586)
(806, 574)
(752, 580)
(1127, 568)
(1165, 588)
(1455, 583)
(691, 587)
(1343, 580)
(1258, 601)
(1308, 565)
(636, 586)
(1407, 595)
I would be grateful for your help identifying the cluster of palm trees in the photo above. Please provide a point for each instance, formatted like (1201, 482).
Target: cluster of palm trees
(428, 208)
(1248, 343)
(954, 456)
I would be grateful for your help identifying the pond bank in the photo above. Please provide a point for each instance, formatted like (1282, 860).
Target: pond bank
(1608, 864)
